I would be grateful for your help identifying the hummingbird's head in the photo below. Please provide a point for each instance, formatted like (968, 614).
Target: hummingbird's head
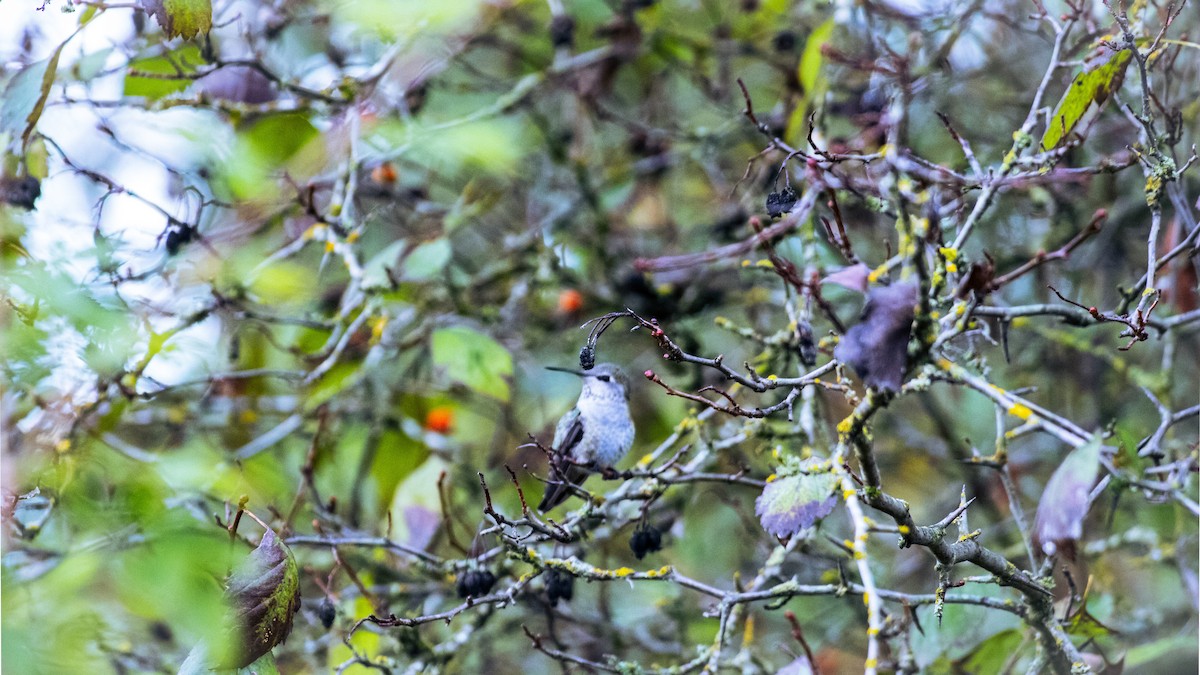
(604, 381)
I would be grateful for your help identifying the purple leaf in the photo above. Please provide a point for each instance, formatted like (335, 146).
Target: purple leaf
(265, 592)
(422, 524)
(877, 347)
(239, 84)
(853, 277)
(799, 666)
(1059, 521)
(792, 503)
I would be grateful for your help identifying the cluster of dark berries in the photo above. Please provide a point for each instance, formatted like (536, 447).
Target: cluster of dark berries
(779, 203)
(645, 539)
(475, 583)
(587, 357)
(559, 586)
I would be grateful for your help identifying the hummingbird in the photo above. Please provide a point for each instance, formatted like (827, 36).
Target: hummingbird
(594, 435)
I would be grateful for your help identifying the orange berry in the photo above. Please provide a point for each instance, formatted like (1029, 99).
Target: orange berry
(440, 420)
(384, 173)
(570, 301)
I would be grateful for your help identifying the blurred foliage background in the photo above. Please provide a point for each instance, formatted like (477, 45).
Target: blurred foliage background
(310, 257)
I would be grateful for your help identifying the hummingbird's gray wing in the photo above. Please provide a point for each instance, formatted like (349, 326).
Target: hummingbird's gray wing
(564, 472)
(569, 432)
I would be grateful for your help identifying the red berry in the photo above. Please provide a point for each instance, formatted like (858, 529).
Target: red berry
(440, 420)
(570, 301)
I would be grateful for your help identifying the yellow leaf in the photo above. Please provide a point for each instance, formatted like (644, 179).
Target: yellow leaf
(1087, 88)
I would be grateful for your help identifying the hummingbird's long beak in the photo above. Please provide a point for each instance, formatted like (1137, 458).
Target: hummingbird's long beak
(567, 370)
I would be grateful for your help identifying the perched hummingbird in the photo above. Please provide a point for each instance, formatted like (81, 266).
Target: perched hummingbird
(593, 435)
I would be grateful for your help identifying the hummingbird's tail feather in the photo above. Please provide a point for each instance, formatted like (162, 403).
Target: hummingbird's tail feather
(561, 486)
(556, 493)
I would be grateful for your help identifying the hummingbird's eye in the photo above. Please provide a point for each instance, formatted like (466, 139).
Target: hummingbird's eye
(603, 378)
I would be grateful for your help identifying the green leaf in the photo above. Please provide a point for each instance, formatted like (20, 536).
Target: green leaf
(24, 347)
(332, 383)
(90, 65)
(812, 60)
(88, 14)
(111, 333)
(493, 146)
(37, 159)
(264, 665)
(181, 18)
(812, 80)
(284, 283)
(375, 271)
(1127, 447)
(26, 94)
(427, 260)
(140, 80)
(275, 138)
(474, 359)
(175, 578)
(1084, 625)
(1087, 88)
(423, 263)
(264, 147)
(403, 20)
(990, 656)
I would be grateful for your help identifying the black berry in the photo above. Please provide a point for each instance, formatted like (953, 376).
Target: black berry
(806, 345)
(326, 613)
(562, 31)
(646, 539)
(475, 583)
(784, 41)
(559, 586)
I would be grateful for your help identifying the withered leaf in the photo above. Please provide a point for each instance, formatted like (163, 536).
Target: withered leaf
(265, 592)
(1059, 521)
(877, 347)
(979, 279)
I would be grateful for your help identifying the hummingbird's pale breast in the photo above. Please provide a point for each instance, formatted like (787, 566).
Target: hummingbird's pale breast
(607, 429)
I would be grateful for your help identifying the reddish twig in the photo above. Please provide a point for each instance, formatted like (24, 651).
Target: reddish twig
(1135, 326)
(799, 635)
(1059, 254)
